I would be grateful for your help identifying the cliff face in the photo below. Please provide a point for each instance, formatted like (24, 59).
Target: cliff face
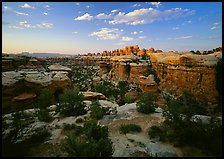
(131, 69)
(195, 74)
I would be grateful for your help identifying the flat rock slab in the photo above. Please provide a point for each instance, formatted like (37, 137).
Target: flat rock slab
(24, 96)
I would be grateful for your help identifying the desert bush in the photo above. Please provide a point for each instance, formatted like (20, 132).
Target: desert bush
(69, 126)
(130, 128)
(71, 103)
(145, 57)
(13, 149)
(90, 141)
(43, 115)
(146, 104)
(107, 88)
(180, 130)
(128, 99)
(97, 112)
(45, 99)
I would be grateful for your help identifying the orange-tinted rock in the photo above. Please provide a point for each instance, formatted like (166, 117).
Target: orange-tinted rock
(147, 85)
(195, 74)
(137, 70)
(149, 51)
(104, 68)
(24, 96)
(142, 52)
(133, 95)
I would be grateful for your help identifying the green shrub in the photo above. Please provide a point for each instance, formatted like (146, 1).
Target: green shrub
(45, 99)
(94, 131)
(43, 115)
(107, 88)
(69, 126)
(123, 87)
(97, 112)
(145, 57)
(79, 120)
(71, 103)
(185, 132)
(147, 103)
(130, 128)
(128, 99)
(145, 108)
(90, 141)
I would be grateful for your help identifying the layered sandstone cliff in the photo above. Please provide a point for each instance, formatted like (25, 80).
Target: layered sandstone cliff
(195, 74)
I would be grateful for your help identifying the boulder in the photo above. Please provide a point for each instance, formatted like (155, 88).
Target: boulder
(93, 96)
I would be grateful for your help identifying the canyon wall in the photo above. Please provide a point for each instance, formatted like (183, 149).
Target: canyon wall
(195, 74)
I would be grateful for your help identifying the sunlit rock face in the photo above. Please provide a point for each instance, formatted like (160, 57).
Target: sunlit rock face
(137, 70)
(195, 74)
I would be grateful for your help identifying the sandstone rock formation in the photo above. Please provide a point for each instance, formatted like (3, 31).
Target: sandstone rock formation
(19, 89)
(93, 96)
(195, 74)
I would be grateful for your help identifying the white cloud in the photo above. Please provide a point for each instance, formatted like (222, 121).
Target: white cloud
(136, 5)
(7, 8)
(189, 21)
(157, 4)
(182, 37)
(126, 38)
(15, 27)
(135, 32)
(86, 16)
(26, 6)
(87, 6)
(25, 24)
(45, 25)
(77, 4)
(113, 11)
(149, 15)
(20, 13)
(47, 7)
(45, 13)
(74, 32)
(103, 16)
(142, 37)
(214, 27)
(176, 28)
(107, 34)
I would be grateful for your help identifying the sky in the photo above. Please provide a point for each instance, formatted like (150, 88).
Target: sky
(83, 27)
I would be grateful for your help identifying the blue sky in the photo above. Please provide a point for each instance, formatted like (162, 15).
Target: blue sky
(82, 27)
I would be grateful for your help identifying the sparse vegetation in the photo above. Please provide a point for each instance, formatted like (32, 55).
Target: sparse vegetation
(97, 112)
(71, 103)
(130, 128)
(44, 101)
(90, 141)
(147, 103)
(184, 132)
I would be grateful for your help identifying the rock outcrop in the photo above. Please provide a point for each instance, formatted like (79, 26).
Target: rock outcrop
(20, 89)
(195, 74)
(93, 96)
